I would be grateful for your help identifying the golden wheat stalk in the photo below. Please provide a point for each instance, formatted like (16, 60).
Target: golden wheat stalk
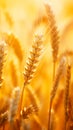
(55, 86)
(2, 59)
(53, 34)
(14, 104)
(68, 77)
(31, 64)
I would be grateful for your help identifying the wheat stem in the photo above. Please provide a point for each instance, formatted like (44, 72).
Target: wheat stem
(68, 77)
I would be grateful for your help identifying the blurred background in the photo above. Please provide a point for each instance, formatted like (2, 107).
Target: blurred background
(18, 16)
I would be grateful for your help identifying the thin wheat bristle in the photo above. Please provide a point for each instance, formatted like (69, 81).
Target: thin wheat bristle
(53, 32)
(14, 103)
(33, 59)
(68, 77)
(26, 112)
(2, 59)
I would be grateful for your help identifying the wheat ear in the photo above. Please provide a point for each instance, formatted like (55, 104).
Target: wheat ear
(55, 86)
(33, 59)
(53, 34)
(31, 64)
(2, 59)
(13, 42)
(14, 104)
(26, 112)
(68, 77)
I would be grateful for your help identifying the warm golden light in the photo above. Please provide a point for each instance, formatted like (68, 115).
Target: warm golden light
(36, 64)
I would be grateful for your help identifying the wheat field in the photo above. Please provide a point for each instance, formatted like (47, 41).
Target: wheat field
(36, 64)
